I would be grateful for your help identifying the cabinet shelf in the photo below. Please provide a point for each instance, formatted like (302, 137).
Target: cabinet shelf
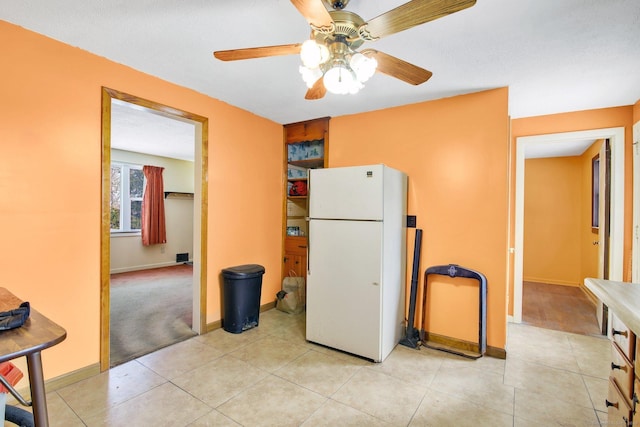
(308, 163)
(306, 146)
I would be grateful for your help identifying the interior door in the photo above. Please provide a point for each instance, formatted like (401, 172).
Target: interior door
(343, 285)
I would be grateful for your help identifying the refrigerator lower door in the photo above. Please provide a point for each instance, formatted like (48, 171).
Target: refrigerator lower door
(343, 286)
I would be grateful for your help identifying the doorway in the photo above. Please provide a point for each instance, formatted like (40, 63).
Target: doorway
(199, 211)
(616, 138)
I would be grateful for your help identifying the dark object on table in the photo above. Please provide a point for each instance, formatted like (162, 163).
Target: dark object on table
(14, 318)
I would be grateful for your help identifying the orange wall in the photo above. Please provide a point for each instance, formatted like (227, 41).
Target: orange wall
(552, 206)
(636, 112)
(455, 152)
(558, 238)
(50, 166)
(577, 121)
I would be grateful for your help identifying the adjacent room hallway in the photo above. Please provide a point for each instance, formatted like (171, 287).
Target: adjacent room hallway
(562, 308)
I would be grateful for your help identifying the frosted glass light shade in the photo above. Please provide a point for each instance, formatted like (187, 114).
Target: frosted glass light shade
(339, 79)
(310, 75)
(363, 66)
(313, 54)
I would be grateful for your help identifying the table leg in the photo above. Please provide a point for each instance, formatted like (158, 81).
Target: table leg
(38, 394)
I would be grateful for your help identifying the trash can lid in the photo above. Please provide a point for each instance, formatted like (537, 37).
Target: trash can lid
(243, 271)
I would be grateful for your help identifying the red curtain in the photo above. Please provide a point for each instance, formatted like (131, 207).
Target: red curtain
(153, 224)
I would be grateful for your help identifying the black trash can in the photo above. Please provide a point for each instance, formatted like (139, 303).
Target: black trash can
(242, 289)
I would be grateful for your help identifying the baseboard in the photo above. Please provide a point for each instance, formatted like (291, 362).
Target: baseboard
(267, 306)
(145, 267)
(464, 346)
(218, 323)
(57, 383)
(549, 281)
(213, 326)
(589, 294)
(64, 380)
(496, 352)
(73, 377)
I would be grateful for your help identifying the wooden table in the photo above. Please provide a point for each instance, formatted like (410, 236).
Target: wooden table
(37, 334)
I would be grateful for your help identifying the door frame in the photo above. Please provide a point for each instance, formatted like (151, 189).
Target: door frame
(616, 138)
(200, 215)
(635, 263)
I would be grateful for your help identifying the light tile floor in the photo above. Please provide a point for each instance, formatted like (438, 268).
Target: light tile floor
(270, 376)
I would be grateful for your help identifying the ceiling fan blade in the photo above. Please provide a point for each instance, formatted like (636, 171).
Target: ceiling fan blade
(395, 67)
(314, 12)
(257, 52)
(412, 13)
(318, 90)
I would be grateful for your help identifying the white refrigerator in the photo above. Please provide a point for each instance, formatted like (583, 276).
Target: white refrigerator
(357, 259)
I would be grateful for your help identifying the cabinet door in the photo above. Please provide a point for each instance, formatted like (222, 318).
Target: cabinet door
(306, 131)
(293, 265)
(623, 336)
(618, 410)
(621, 371)
(295, 254)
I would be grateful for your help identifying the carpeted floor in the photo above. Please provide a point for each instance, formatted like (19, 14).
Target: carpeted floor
(150, 309)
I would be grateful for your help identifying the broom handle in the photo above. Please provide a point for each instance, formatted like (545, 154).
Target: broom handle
(414, 283)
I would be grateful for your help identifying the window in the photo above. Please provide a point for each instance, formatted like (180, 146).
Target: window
(127, 187)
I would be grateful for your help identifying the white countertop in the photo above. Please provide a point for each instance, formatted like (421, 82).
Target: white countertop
(622, 298)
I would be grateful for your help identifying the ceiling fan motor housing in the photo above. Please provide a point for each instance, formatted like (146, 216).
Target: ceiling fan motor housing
(346, 29)
(337, 4)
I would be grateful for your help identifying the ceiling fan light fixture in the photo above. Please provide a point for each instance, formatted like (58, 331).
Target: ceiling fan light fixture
(340, 79)
(363, 66)
(310, 75)
(313, 54)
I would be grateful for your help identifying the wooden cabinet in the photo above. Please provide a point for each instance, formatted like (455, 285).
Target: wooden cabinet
(619, 410)
(295, 256)
(623, 300)
(620, 399)
(621, 372)
(306, 146)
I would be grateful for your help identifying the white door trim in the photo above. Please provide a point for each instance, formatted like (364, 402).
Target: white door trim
(616, 137)
(635, 263)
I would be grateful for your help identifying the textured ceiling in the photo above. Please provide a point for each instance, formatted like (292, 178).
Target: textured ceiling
(554, 55)
(135, 128)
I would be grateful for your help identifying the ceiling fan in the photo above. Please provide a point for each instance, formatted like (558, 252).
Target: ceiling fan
(330, 57)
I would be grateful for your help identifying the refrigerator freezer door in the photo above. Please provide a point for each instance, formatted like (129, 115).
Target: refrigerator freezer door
(343, 286)
(347, 193)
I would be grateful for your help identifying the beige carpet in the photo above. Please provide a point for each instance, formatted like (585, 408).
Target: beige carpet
(150, 309)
